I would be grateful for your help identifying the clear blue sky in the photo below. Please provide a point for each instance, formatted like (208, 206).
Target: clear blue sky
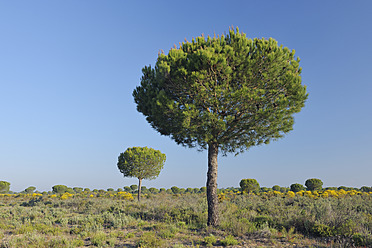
(68, 69)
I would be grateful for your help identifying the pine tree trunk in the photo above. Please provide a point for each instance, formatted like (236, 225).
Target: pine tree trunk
(212, 185)
(139, 188)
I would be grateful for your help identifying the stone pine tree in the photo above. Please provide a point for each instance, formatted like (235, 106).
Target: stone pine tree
(249, 185)
(4, 187)
(142, 163)
(30, 189)
(224, 94)
(314, 184)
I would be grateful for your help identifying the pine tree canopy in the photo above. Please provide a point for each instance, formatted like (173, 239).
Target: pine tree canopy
(230, 90)
(141, 162)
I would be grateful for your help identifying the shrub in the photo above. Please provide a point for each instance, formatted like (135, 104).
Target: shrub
(4, 187)
(134, 187)
(59, 189)
(263, 220)
(366, 189)
(148, 239)
(229, 240)
(153, 190)
(30, 189)
(77, 190)
(314, 184)
(125, 195)
(249, 185)
(210, 240)
(175, 190)
(265, 189)
(276, 188)
(322, 230)
(98, 239)
(296, 187)
(161, 190)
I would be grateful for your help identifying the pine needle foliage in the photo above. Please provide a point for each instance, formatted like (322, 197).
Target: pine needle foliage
(225, 94)
(230, 90)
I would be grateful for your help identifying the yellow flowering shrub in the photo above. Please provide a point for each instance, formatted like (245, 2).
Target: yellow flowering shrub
(36, 194)
(330, 193)
(341, 193)
(290, 194)
(4, 195)
(221, 197)
(125, 195)
(309, 194)
(300, 193)
(278, 193)
(66, 195)
(325, 195)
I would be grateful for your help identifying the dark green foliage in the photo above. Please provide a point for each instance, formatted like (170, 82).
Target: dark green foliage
(77, 189)
(276, 187)
(331, 188)
(189, 190)
(134, 187)
(30, 189)
(230, 90)
(314, 184)
(225, 94)
(128, 189)
(262, 221)
(162, 190)
(362, 240)
(366, 189)
(346, 188)
(296, 187)
(110, 190)
(265, 189)
(59, 189)
(176, 190)
(141, 162)
(4, 187)
(70, 190)
(153, 190)
(144, 189)
(284, 189)
(203, 189)
(322, 230)
(249, 185)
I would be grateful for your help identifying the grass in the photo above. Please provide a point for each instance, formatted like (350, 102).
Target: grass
(167, 220)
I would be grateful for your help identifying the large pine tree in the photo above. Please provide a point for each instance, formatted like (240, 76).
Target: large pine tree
(224, 94)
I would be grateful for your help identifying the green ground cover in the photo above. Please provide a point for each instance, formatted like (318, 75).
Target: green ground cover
(113, 219)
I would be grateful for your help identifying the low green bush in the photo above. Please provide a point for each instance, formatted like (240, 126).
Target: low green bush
(229, 240)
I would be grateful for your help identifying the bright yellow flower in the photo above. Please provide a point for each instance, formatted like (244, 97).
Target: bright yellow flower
(291, 194)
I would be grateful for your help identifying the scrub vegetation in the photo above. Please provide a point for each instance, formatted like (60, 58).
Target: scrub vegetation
(177, 217)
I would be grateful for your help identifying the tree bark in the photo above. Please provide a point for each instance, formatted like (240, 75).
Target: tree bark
(212, 185)
(139, 188)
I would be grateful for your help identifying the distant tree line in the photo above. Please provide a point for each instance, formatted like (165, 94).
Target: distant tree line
(313, 184)
(246, 185)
